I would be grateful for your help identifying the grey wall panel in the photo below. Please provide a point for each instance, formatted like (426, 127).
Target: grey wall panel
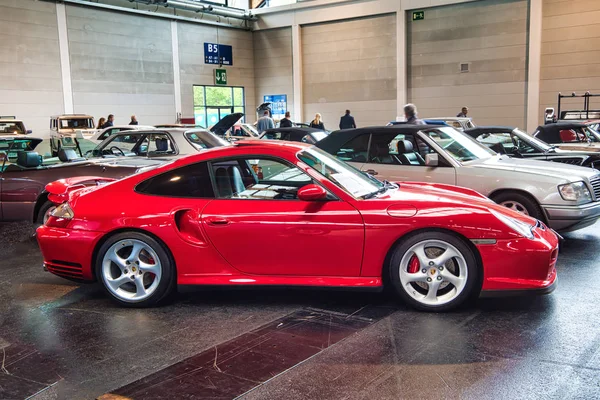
(490, 35)
(350, 64)
(273, 72)
(194, 71)
(570, 51)
(121, 64)
(30, 77)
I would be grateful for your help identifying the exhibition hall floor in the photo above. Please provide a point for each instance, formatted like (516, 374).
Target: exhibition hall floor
(64, 340)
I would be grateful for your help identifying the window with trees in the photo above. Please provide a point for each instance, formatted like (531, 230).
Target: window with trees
(211, 103)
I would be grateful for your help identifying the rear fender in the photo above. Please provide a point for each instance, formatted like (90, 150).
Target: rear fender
(59, 191)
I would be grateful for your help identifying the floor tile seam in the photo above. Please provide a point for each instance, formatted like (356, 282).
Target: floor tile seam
(167, 379)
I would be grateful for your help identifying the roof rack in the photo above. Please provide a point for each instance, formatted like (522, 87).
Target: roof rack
(583, 114)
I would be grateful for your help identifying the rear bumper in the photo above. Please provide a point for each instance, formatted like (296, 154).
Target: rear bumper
(570, 218)
(67, 252)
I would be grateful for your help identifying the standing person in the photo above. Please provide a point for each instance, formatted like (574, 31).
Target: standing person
(286, 122)
(347, 121)
(101, 123)
(109, 121)
(317, 123)
(133, 121)
(265, 122)
(463, 113)
(410, 112)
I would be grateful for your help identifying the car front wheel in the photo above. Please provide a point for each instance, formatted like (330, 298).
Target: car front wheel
(520, 203)
(135, 269)
(434, 271)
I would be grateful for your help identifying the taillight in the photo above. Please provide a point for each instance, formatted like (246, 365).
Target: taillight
(61, 216)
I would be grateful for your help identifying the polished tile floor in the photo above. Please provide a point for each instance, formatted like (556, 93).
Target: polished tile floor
(66, 341)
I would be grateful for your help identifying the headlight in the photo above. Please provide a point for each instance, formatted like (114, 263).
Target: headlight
(577, 191)
(63, 211)
(520, 227)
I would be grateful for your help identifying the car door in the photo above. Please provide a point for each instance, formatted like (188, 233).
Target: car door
(385, 162)
(260, 227)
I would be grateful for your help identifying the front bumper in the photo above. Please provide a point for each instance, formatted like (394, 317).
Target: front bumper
(570, 218)
(68, 252)
(520, 265)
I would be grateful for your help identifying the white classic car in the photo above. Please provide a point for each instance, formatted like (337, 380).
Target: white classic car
(566, 197)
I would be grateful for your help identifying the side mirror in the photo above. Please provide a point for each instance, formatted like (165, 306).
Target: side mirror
(28, 131)
(312, 192)
(431, 160)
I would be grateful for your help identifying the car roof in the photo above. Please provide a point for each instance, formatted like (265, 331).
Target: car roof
(450, 118)
(488, 129)
(559, 126)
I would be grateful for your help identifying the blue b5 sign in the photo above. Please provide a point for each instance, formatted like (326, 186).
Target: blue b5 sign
(221, 54)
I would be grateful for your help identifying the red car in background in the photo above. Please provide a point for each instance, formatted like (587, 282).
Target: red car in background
(277, 213)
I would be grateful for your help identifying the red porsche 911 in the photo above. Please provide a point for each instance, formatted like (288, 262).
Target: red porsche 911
(277, 213)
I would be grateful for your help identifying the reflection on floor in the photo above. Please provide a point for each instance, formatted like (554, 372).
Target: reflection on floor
(62, 340)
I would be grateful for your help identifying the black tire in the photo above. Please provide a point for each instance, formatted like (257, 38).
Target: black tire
(168, 280)
(532, 207)
(39, 220)
(471, 286)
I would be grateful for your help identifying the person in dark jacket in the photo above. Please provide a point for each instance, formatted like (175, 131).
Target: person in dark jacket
(463, 113)
(286, 122)
(410, 112)
(317, 123)
(347, 121)
(133, 121)
(109, 121)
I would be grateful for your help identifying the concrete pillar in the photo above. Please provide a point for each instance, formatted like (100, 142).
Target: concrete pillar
(534, 64)
(65, 62)
(401, 70)
(297, 72)
(176, 69)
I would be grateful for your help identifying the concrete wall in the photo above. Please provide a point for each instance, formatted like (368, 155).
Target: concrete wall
(273, 64)
(30, 78)
(350, 64)
(491, 35)
(121, 64)
(570, 51)
(194, 72)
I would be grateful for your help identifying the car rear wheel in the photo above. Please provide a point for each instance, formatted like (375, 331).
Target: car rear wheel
(44, 212)
(520, 203)
(434, 271)
(135, 269)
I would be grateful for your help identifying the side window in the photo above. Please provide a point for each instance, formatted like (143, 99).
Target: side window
(356, 150)
(423, 149)
(272, 135)
(257, 179)
(189, 181)
(384, 149)
(157, 145)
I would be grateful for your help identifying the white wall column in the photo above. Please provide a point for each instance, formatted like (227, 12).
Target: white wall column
(65, 62)
(176, 69)
(298, 115)
(401, 70)
(535, 59)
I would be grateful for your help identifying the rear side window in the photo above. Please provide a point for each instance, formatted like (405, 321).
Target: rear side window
(191, 181)
(356, 150)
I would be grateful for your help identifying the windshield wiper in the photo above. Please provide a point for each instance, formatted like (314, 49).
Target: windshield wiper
(386, 186)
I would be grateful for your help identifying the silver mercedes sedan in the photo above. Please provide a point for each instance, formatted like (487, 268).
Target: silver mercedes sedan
(566, 197)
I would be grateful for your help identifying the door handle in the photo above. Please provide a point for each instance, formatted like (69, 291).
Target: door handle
(371, 172)
(217, 221)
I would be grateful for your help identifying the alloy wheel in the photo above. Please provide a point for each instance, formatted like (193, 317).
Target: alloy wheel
(131, 270)
(433, 272)
(515, 205)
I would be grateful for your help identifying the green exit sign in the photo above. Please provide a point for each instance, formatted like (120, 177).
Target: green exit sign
(418, 15)
(220, 77)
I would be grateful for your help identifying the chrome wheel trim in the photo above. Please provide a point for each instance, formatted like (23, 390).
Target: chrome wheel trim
(47, 214)
(515, 205)
(131, 275)
(433, 273)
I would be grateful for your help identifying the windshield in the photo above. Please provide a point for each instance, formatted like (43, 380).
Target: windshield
(204, 140)
(591, 134)
(320, 135)
(12, 127)
(143, 144)
(534, 141)
(345, 176)
(77, 123)
(458, 145)
(251, 130)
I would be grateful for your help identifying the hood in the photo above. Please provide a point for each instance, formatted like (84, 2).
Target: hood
(226, 123)
(454, 197)
(560, 171)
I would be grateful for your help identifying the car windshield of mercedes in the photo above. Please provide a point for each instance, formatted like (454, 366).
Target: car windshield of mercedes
(131, 144)
(458, 145)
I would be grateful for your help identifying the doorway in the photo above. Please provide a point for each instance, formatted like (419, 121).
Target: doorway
(211, 103)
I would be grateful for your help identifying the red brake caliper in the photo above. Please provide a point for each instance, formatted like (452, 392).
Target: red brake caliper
(413, 265)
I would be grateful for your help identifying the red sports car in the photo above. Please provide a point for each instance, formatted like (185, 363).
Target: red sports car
(277, 213)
